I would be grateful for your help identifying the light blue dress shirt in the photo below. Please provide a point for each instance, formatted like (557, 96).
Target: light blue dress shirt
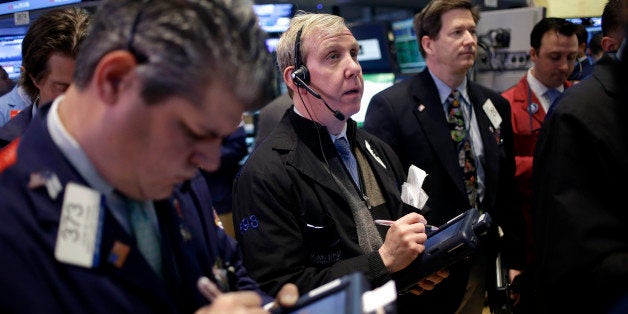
(16, 99)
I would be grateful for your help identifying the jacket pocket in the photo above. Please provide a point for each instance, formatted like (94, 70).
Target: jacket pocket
(323, 243)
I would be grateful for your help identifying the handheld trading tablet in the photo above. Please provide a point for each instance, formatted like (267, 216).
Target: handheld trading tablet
(343, 295)
(452, 242)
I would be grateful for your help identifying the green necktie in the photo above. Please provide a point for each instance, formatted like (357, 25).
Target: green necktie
(146, 234)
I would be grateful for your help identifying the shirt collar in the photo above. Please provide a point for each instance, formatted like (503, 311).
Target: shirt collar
(73, 151)
(537, 87)
(444, 90)
(343, 133)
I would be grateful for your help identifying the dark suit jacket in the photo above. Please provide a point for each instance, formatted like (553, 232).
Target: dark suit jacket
(409, 117)
(32, 280)
(580, 216)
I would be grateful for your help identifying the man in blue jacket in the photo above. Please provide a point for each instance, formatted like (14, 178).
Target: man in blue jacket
(101, 206)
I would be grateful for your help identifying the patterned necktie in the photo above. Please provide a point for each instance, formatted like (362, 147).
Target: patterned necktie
(343, 148)
(146, 235)
(460, 136)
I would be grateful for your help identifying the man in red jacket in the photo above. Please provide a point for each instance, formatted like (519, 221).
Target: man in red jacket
(554, 50)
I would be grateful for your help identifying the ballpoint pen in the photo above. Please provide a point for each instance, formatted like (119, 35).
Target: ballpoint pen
(208, 288)
(388, 223)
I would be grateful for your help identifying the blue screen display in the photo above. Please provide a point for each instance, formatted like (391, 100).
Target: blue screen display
(274, 18)
(29, 5)
(334, 303)
(11, 54)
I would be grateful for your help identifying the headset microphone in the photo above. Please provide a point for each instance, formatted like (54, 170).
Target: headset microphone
(301, 77)
(339, 115)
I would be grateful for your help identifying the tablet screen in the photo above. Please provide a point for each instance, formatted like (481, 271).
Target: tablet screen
(329, 304)
(444, 233)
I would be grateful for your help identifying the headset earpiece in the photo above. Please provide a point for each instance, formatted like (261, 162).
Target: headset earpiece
(300, 70)
(301, 77)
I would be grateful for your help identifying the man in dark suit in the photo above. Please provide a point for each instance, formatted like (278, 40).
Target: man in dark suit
(414, 117)
(580, 171)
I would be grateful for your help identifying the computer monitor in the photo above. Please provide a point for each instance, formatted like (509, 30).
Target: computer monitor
(374, 55)
(271, 44)
(9, 7)
(11, 54)
(373, 84)
(592, 24)
(409, 59)
(274, 18)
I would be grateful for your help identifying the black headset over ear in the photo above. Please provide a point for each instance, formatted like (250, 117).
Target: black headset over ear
(301, 70)
(301, 77)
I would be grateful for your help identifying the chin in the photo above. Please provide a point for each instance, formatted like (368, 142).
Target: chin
(162, 192)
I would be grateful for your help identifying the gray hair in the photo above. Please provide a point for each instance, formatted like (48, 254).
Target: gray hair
(311, 24)
(182, 46)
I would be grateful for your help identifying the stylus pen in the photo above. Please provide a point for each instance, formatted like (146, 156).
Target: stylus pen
(208, 288)
(388, 223)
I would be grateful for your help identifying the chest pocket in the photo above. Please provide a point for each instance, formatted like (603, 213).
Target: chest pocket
(323, 243)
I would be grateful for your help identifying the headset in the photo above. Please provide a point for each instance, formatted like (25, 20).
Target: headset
(301, 76)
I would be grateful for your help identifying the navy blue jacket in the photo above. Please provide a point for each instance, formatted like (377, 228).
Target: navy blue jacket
(17, 125)
(33, 281)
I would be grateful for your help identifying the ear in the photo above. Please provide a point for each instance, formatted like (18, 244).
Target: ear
(533, 55)
(35, 82)
(287, 78)
(609, 44)
(426, 43)
(113, 74)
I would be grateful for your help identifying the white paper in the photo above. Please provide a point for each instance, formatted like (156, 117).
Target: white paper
(412, 192)
(379, 297)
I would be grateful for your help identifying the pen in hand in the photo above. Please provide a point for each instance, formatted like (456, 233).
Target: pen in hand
(208, 288)
(388, 223)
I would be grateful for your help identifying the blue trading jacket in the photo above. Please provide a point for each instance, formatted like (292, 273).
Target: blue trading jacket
(33, 281)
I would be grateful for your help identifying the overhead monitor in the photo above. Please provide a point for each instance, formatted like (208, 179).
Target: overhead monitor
(11, 54)
(373, 84)
(374, 55)
(271, 44)
(8, 7)
(592, 24)
(274, 18)
(409, 59)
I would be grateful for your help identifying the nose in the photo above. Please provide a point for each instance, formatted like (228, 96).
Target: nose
(564, 65)
(469, 38)
(353, 68)
(206, 154)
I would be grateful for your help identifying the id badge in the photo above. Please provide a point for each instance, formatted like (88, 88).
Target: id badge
(80, 227)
